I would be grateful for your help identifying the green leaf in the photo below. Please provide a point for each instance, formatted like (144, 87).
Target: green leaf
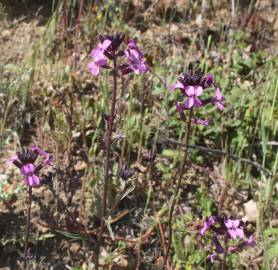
(45, 236)
(272, 252)
(74, 236)
(270, 231)
(127, 192)
(170, 153)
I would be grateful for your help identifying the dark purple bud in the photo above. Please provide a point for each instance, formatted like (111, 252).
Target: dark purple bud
(219, 248)
(126, 172)
(180, 108)
(116, 40)
(27, 156)
(151, 155)
(120, 53)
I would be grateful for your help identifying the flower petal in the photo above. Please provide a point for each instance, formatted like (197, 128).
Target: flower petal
(228, 223)
(239, 233)
(32, 180)
(198, 91)
(189, 102)
(235, 223)
(105, 44)
(218, 94)
(28, 169)
(232, 233)
(190, 91)
(197, 102)
(94, 68)
(177, 85)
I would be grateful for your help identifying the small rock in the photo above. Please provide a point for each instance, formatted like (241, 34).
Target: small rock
(6, 34)
(160, 261)
(251, 211)
(199, 20)
(80, 165)
(74, 248)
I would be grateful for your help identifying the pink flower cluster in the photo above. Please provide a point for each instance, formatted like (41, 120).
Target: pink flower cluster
(107, 49)
(25, 161)
(192, 86)
(226, 230)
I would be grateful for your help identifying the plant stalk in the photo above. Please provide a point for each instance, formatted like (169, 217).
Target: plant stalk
(107, 162)
(223, 264)
(176, 192)
(27, 232)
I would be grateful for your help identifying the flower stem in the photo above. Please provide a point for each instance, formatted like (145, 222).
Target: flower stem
(26, 255)
(176, 192)
(107, 162)
(223, 264)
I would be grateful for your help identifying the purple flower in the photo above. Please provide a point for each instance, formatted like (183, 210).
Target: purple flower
(226, 233)
(99, 58)
(108, 49)
(30, 178)
(193, 79)
(203, 122)
(47, 157)
(250, 242)
(207, 224)
(233, 228)
(192, 93)
(25, 161)
(218, 99)
(135, 59)
(192, 85)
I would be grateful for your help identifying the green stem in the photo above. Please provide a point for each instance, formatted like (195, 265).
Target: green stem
(27, 232)
(176, 192)
(107, 163)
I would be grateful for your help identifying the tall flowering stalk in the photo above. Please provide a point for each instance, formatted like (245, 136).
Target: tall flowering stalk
(228, 236)
(109, 50)
(26, 162)
(192, 85)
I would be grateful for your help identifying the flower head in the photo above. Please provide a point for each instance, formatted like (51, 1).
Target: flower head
(98, 57)
(126, 172)
(192, 92)
(116, 40)
(135, 59)
(234, 229)
(207, 224)
(25, 161)
(109, 49)
(218, 99)
(192, 85)
(226, 233)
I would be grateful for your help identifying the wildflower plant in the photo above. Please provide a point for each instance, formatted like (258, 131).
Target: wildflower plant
(30, 161)
(192, 86)
(228, 236)
(110, 54)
